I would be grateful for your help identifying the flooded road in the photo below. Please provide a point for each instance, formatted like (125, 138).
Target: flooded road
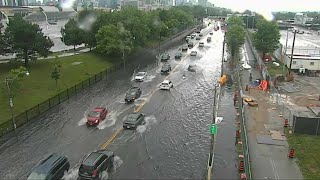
(174, 142)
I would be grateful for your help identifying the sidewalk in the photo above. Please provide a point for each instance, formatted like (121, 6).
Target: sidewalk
(267, 161)
(50, 57)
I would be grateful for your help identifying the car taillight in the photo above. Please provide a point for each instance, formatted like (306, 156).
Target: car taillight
(95, 173)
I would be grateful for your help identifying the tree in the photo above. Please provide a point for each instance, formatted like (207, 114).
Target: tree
(55, 74)
(114, 40)
(26, 39)
(234, 20)
(72, 34)
(266, 39)
(235, 38)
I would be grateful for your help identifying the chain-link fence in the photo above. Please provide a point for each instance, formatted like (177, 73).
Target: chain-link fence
(243, 128)
(278, 98)
(35, 111)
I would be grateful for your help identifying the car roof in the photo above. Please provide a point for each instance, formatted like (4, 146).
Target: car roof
(48, 164)
(134, 115)
(99, 109)
(91, 159)
(134, 88)
(166, 81)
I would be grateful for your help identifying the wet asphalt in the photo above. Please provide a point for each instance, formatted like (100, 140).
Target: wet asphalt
(174, 142)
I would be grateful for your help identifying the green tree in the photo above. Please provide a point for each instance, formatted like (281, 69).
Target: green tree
(72, 34)
(26, 39)
(235, 20)
(235, 38)
(114, 40)
(2, 45)
(55, 74)
(266, 39)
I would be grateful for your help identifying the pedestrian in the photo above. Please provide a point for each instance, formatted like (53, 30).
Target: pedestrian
(250, 77)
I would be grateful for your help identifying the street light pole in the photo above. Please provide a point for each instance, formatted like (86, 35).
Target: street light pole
(222, 59)
(8, 82)
(11, 102)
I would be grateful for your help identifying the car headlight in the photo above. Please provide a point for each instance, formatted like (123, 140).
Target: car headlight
(96, 120)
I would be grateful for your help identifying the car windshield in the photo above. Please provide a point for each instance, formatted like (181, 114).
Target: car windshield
(132, 118)
(140, 74)
(36, 176)
(164, 84)
(94, 114)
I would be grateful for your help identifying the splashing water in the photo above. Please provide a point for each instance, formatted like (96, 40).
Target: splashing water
(83, 120)
(109, 121)
(117, 162)
(71, 175)
(149, 120)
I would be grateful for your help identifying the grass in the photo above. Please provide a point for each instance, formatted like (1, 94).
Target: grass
(39, 86)
(275, 70)
(307, 150)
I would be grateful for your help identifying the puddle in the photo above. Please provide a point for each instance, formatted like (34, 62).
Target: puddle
(76, 63)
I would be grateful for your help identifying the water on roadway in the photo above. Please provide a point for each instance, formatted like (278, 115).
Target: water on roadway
(174, 142)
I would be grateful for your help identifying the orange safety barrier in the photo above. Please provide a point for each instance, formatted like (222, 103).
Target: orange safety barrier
(263, 85)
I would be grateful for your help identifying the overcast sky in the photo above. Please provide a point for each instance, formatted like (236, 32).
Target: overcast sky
(266, 6)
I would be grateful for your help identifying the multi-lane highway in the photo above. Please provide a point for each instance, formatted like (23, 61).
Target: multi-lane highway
(174, 142)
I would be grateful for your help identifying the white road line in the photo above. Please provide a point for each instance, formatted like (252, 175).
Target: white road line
(274, 169)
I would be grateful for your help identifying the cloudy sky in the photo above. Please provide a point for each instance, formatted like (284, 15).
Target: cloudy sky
(266, 6)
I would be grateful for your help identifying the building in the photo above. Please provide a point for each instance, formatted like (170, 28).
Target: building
(302, 19)
(203, 3)
(306, 62)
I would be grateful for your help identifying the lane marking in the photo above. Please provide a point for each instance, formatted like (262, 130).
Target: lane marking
(106, 144)
(174, 69)
(114, 135)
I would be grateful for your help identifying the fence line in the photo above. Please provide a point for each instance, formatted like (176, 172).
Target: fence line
(275, 96)
(40, 108)
(243, 128)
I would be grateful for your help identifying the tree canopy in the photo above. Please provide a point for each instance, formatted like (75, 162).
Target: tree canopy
(236, 35)
(266, 39)
(72, 34)
(26, 39)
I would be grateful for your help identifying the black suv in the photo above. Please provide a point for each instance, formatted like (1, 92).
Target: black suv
(132, 94)
(95, 163)
(166, 68)
(54, 167)
(133, 120)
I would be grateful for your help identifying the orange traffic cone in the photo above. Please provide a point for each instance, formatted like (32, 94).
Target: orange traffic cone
(243, 176)
(291, 153)
(241, 166)
(237, 134)
(286, 123)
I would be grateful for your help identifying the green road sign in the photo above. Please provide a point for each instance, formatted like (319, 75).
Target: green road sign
(213, 129)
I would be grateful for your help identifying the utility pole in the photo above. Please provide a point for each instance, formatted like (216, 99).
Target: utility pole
(222, 59)
(294, 39)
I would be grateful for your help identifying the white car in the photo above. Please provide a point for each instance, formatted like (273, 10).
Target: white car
(193, 53)
(166, 85)
(201, 44)
(140, 76)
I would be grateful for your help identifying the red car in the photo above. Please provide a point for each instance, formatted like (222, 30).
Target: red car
(96, 116)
